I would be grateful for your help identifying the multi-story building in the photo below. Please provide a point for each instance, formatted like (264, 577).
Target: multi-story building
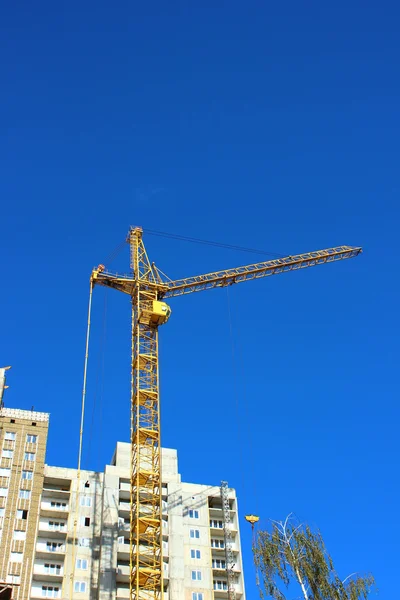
(193, 534)
(65, 534)
(23, 437)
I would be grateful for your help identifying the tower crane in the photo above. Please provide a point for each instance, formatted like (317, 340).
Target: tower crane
(148, 289)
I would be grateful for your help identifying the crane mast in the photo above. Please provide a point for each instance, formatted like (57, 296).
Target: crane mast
(147, 289)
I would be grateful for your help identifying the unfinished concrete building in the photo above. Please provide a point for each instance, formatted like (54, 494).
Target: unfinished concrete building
(64, 535)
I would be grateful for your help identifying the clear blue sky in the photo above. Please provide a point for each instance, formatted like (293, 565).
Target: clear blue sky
(270, 125)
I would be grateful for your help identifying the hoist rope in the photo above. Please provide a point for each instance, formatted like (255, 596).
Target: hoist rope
(236, 394)
(78, 475)
(210, 243)
(247, 436)
(99, 386)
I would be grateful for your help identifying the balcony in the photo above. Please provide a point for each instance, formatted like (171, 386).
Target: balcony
(124, 491)
(224, 593)
(221, 570)
(47, 510)
(231, 526)
(36, 591)
(218, 513)
(56, 488)
(124, 509)
(123, 573)
(49, 575)
(123, 528)
(51, 551)
(219, 552)
(55, 531)
(123, 551)
(123, 593)
(217, 526)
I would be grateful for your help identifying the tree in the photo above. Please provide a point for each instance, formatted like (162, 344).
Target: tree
(292, 552)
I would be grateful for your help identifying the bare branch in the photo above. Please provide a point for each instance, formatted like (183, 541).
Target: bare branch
(348, 577)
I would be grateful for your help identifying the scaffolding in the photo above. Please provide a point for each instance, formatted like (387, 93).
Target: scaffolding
(230, 561)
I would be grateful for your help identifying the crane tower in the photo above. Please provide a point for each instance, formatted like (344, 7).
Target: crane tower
(148, 289)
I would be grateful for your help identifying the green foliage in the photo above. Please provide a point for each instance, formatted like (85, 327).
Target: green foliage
(291, 552)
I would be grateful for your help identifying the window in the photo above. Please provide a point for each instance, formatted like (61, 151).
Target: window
(56, 525)
(31, 439)
(16, 557)
(2, 512)
(197, 596)
(81, 563)
(195, 553)
(80, 586)
(121, 539)
(59, 505)
(22, 514)
(194, 514)
(48, 591)
(85, 521)
(217, 543)
(7, 454)
(87, 484)
(19, 535)
(52, 569)
(3, 492)
(196, 575)
(216, 524)
(30, 456)
(218, 563)
(85, 501)
(27, 475)
(25, 494)
(220, 584)
(84, 542)
(10, 435)
(54, 546)
(195, 533)
(5, 472)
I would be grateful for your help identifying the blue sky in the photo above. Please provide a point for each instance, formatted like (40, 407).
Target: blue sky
(269, 125)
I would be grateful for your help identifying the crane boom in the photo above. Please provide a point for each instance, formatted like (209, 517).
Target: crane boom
(199, 283)
(258, 270)
(148, 288)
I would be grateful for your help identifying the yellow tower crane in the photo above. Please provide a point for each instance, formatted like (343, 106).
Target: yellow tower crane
(148, 288)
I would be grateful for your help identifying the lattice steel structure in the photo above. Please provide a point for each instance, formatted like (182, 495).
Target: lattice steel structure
(148, 287)
(230, 562)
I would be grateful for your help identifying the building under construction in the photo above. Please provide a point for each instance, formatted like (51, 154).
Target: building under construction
(64, 536)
